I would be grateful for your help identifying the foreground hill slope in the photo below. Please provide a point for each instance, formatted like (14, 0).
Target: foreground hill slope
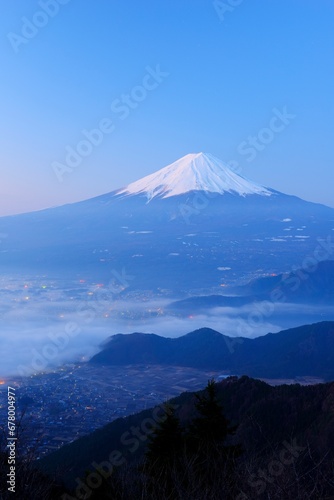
(268, 416)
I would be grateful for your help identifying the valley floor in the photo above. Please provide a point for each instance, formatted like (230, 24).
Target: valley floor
(74, 400)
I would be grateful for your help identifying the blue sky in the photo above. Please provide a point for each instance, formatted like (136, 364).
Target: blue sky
(222, 75)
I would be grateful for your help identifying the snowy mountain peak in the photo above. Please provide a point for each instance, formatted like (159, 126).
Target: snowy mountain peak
(194, 172)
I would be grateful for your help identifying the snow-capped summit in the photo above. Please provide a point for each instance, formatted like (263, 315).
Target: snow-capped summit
(194, 172)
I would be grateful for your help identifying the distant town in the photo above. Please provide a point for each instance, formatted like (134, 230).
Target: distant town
(57, 407)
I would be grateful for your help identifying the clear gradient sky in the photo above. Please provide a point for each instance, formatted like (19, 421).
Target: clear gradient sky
(228, 69)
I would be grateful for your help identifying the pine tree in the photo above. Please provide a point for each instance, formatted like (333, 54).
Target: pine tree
(163, 458)
(211, 425)
(213, 457)
(166, 441)
(197, 462)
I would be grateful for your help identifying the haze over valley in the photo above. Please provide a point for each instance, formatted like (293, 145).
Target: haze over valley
(166, 250)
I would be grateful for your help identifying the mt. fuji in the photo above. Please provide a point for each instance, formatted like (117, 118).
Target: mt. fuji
(193, 225)
(194, 172)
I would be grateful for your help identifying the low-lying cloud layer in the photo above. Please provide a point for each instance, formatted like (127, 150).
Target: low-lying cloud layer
(44, 326)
